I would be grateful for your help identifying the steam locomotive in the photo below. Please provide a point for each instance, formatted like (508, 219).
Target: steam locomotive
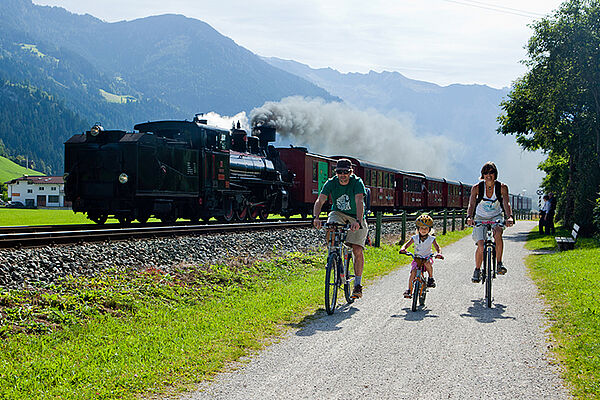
(191, 170)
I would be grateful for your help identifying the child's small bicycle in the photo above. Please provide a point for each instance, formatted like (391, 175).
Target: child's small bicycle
(419, 285)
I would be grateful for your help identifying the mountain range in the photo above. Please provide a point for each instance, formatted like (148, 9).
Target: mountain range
(67, 71)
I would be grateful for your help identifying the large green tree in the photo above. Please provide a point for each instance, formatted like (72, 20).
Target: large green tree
(556, 105)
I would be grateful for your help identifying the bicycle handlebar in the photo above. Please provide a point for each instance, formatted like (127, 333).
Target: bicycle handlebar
(414, 256)
(498, 222)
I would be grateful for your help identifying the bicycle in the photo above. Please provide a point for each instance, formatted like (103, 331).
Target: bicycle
(488, 270)
(419, 285)
(339, 265)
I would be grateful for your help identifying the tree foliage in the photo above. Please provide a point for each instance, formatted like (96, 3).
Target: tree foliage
(555, 107)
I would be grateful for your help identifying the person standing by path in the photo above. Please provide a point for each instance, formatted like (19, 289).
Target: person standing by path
(550, 214)
(543, 211)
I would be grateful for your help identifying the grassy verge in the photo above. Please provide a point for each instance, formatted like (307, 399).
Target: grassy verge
(127, 333)
(570, 284)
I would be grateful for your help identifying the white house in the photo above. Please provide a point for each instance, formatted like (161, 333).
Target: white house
(37, 191)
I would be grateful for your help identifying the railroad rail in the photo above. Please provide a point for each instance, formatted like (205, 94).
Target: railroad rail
(35, 236)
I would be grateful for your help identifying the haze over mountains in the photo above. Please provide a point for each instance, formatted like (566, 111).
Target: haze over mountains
(81, 70)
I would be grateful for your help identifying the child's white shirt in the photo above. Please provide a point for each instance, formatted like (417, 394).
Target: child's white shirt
(423, 248)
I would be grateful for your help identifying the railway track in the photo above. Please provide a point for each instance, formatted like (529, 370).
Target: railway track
(34, 236)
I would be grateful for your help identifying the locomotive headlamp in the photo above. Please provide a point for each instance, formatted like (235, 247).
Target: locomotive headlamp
(123, 178)
(65, 176)
(96, 129)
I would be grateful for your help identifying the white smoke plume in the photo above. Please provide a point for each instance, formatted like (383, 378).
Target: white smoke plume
(226, 122)
(338, 129)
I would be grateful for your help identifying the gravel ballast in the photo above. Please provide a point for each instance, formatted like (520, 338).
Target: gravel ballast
(21, 268)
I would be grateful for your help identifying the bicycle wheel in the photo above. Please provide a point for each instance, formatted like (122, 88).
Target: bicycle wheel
(331, 284)
(348, 278)
(423, 294)
(488, 270)
(415, 293)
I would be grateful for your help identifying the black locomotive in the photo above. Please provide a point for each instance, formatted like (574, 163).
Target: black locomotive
(175, 169)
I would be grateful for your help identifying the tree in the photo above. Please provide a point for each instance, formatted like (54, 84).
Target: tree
(556, 106)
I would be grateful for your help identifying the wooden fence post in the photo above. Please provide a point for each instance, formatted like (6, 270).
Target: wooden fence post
(378, 230)
(445, 221)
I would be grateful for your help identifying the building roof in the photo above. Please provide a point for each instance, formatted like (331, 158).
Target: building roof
(39, 180)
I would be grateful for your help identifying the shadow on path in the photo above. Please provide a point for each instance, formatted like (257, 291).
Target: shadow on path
(320, 321)
(418, 315)
(485, 315)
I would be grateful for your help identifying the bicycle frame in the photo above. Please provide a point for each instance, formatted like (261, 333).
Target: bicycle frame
(419, 284)
(488, 271)
(338, 272)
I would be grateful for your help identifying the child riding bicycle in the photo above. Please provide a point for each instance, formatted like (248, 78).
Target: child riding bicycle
(423, 241)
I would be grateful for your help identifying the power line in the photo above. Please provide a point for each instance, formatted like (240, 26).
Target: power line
(492, 7)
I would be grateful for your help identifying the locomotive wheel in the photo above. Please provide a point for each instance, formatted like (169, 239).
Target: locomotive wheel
(229, 215)
(168, 219)
(263, 214)
(242, 215)
(100, 219)
(142, 219)
(125, 220)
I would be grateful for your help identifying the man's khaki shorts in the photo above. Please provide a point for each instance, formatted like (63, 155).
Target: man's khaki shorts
(358, 237)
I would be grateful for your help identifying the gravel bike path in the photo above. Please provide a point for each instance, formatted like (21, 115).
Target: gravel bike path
(455, 348)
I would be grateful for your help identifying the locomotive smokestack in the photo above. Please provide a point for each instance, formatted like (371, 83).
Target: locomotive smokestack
(265, 133)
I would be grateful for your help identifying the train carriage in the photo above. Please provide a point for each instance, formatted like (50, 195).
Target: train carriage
(379, 179)
(465, 194)
(409, 191)
(434, 196)
(452, 194)
(309, 173)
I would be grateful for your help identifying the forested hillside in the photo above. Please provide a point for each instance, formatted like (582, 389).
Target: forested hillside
(34, 125)
(119, 74)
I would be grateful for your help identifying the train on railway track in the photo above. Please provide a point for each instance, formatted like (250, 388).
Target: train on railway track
(194, 171)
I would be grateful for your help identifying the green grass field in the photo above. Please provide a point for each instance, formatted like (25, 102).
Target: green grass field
(122, 335)
(570, 284)
(23, 217)
(9, 170)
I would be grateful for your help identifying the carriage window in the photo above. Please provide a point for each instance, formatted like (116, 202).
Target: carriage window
(386, 180)
(379, 179)
(315, 171)
(367, 177)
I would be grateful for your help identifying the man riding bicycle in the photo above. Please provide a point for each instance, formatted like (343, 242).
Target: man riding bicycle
(347, 192)
(489, 200)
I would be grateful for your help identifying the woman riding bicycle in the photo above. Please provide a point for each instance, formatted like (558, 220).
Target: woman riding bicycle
(423, 240)
(489, 200)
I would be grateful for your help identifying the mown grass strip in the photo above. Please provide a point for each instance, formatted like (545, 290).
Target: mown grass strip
(123, 334)
(570, 284)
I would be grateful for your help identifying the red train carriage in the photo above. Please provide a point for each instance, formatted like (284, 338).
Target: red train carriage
(434, 192)
(409, 190)
(310, 171)
(379, 179)
(465, 194)
(452, 192)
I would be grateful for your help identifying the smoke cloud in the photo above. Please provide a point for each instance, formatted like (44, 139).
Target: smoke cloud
(338, 129)
(226, 122)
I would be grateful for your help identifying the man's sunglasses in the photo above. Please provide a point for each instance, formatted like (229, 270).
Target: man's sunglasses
(342, 171)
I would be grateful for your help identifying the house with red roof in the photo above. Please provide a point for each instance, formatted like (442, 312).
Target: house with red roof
(37, 191)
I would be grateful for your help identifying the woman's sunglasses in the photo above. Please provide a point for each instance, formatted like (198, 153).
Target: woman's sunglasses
(342, 171)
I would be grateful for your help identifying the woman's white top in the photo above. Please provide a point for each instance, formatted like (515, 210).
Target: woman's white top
(489, 207)
(423, 248)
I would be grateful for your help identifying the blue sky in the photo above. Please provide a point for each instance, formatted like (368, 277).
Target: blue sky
(440, 41)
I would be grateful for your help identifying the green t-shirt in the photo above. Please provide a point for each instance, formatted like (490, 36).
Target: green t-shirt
(342, 196)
